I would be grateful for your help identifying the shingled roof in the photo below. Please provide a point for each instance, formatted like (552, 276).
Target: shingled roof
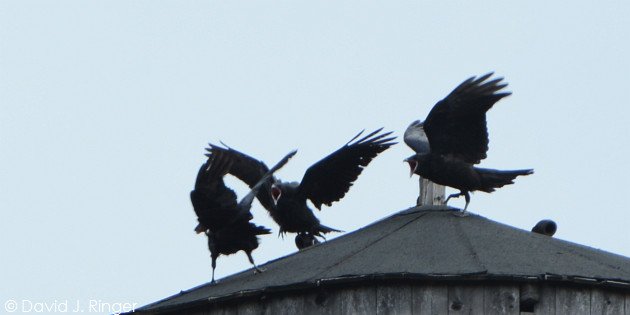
(421, 243)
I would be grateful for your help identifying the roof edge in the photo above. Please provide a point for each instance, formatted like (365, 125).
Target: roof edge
(408, 277)
(407, 211)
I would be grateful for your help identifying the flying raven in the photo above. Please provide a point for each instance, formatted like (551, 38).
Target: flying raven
(221, 218)
(454, 137)
(324, 182)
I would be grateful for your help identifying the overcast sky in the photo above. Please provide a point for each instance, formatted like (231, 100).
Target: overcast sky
(106, 107)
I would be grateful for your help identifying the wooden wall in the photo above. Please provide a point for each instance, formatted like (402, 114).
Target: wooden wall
(434, 299)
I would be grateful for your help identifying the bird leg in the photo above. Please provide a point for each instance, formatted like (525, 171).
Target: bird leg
(315, 240)
(251, 260)
(467, 197)
(320, 235)
(461, 193)
(214, 265)
(419, 200)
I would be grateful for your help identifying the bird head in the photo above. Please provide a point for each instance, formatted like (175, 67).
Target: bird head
(200, 228)
(413, 165)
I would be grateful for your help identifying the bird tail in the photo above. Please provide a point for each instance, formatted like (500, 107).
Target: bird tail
(491, 179)
(259, 229)
(325, 229)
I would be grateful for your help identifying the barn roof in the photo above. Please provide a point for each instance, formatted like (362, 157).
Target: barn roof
(421, 243)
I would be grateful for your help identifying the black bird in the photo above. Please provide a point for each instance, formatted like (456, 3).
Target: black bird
(221, 218)
(304, 240)
(324, 182)
(454, 137)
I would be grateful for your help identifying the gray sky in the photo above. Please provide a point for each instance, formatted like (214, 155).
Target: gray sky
(106, 107)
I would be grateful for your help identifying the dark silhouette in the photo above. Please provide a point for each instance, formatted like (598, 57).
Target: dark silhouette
(304, 240)
(545, 227)
(324, 182)
(454, 137)
(226, 222)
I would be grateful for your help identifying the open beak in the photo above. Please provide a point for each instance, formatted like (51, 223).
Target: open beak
(412, 166)
(275, 193)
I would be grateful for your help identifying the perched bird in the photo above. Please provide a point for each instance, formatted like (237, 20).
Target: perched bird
(454, 138)
(221, 218)
(304, 240)
(324, 182)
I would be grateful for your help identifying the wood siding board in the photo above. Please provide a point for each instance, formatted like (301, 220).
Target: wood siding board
(229, 309)
(573, 300)
(501, 299)
(529, 295)
(207, 310)
(210, 310)
(547, 302)
(253, 307)
(465, 299)
(358, 300)
(325, 301)
(291, 304)
(606, 302)
(199, 311)
(429, 299)
(393, 299)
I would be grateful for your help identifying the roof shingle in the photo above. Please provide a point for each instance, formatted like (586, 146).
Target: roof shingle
(422, 243)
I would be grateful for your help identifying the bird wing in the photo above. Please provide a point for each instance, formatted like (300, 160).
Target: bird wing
(456, 126)
(212, 201)
(416, 138)
(330, 179)
(249, 170)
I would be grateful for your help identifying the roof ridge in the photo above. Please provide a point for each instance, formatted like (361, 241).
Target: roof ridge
(317, 276)
(467, 243)
(472, 248)
(572, 251)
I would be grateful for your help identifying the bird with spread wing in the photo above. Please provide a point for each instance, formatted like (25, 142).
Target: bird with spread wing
(226, 222)
(454, 138)
(323, 183)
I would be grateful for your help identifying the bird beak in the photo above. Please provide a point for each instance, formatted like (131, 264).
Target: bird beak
(200, 228)
(412, 166)
(275, 193)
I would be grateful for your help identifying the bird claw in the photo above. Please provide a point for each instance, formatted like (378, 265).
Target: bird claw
(442, 200)
(259, 270)
(213, 282)
(461, 214)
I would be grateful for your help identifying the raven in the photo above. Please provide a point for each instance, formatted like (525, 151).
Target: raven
(454, 137)
(324, 182)
(221, 218)
(304, 240)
